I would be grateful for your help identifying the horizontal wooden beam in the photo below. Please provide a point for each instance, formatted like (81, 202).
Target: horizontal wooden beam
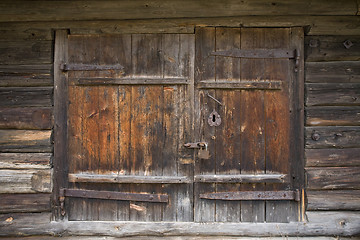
(332, 157)
(40, 118)
(114, 178)
(333, 200)
(332, 116)
(242, 178)
(253, 195)
(38, 202)
(25, 160)
(131, 81)
(26, 96)
(327, 223)
(246, 84)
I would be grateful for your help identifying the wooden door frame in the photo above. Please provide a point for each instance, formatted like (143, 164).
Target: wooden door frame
(60, 162)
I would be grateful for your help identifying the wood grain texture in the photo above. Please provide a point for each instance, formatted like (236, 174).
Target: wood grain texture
(173, 9)
(333, 200)
(332, 72)
(39, 202)
(325, 178)
(332, 157)
(25, 160)
(26, 118)
(26, 97)
(331, 48)
(332, 137)
(332, 116)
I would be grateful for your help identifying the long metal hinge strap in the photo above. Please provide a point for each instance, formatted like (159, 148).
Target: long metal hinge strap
(257, 53)
(89, 67)
(253, 195)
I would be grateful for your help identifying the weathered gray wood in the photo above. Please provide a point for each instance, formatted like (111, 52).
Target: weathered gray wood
(29, 96)
(332, 157)
(344, 94)
(331, 48)
(25, 75)
(25, 160)
(266, 85)
(332, 137)
(39, 202)
(332, 116)
(333, 200)
(25, 141)
(333, 178)
(241, 178)
(177, 238)
(132, 81)
(332, 72)
(56, 10)
(25, 181)
(333, 223)
(26, 118)
(115, 178)
(25, 52)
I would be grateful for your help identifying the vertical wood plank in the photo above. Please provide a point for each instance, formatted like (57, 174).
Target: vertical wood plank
(60, 118)
(252, 124)
(227, 141)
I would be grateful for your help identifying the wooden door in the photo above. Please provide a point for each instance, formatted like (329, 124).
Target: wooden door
(129, 115)
(248, 78)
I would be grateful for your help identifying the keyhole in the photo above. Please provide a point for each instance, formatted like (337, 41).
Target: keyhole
(213, 118)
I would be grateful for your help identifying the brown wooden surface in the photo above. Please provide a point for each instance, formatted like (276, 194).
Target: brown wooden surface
(332, 157)
(39, 202)
(26, 118)
(333, 178)
(333, 116)
(21, 97)
(333, 200)
(25, 141)
(25, 160)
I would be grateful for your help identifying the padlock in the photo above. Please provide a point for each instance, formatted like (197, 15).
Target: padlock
(204, 153)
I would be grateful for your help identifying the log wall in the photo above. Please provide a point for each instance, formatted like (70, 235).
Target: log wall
(332, 93)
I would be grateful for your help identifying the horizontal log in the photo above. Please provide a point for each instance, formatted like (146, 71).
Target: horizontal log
(333, 178)
(26, 118)
(25, 75)
(25, 160)
(88, 10)
(340, 94)
(264, 85)
(333, 200)
(332, 157)
(332, 137)
(242, 178)
(332, 116)
(114, 178)
(29, 97)
(25, 141)
(333, 223)
(25, 52)
(332, 48)
(39, 202)
(25, 181)
(131, 81)
(332, 72)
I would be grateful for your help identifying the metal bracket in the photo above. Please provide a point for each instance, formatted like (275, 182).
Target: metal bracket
(195, 145)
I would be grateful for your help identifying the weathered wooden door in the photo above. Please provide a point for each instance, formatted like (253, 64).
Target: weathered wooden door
(248, 114)
(129, 117)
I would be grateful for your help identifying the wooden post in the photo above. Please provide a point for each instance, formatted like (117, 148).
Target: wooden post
(60, 118)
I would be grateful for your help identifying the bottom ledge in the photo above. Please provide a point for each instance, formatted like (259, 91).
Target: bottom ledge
(319, 224)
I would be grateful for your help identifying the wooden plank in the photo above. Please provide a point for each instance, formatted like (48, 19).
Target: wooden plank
(30, 97)
(44, 11)
(253, 85)
(332, 48)
(253, 195)
(333, 200)
(25, 181)
(322, 178)
(26, 118)
(332, 116)
(25, 141)
(332, 72)
(26, 52)
(132, 81)
(25, 75)
(25, 160)
(39, 202)
(241, 178)
(182, 237)
(332, 137)
(321, 223)
(332, 157)
(344, 94)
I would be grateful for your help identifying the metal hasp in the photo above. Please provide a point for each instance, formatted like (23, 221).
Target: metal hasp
(262, 53)
(109, 195)
(195, 145)
(253, 195)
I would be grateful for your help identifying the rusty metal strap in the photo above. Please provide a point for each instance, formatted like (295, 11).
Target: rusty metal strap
(257, 53)
(253, 195)
(110, 195)
(89, 67)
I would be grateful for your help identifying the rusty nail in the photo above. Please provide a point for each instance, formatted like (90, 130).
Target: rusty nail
(338, 135)
(315, 136)
(348, 44)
